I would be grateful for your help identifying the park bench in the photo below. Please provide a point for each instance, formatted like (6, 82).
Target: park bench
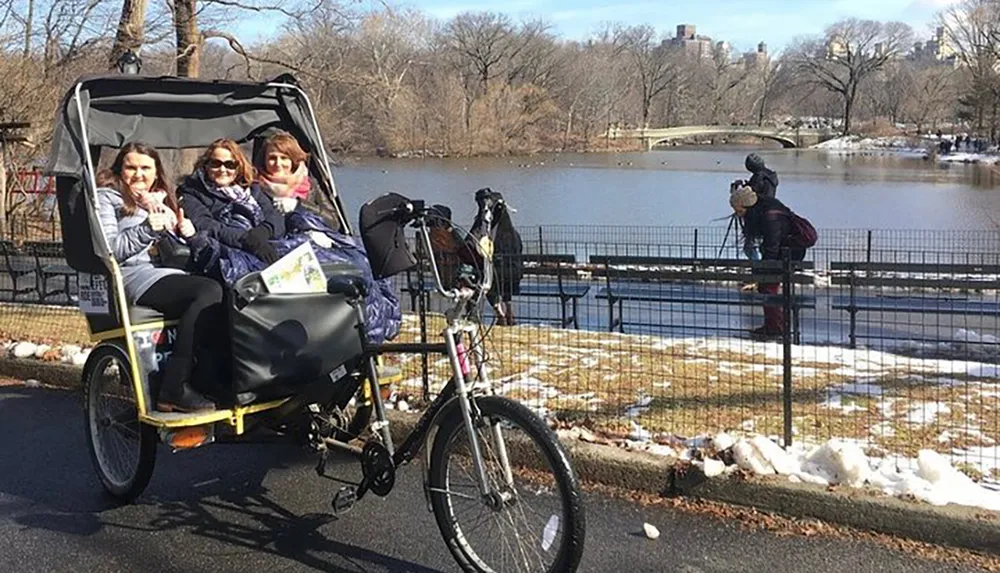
(17, 264)
(916, 288)
(559, 267)
(675, 280)
(50, 264)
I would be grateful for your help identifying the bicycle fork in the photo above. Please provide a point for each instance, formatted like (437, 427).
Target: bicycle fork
(458, 357)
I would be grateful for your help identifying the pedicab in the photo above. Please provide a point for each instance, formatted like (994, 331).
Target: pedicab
(500, 485)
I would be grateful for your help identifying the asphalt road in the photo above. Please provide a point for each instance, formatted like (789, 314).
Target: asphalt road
(248, 508)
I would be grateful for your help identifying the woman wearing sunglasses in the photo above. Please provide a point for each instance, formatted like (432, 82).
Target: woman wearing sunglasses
(223, 200)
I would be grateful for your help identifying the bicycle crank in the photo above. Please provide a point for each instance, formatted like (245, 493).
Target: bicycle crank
(377, 468)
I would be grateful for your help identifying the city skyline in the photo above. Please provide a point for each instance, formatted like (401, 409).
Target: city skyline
(739, 23)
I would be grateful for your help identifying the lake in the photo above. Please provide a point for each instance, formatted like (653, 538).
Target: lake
(689, 186)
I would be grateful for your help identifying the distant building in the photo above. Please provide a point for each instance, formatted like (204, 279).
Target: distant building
(937, 50)
(758, 59)
(691, 43)
(836, 48)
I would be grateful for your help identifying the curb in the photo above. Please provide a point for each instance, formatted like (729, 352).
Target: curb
(963, 527)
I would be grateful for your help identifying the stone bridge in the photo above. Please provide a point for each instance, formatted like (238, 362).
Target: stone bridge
(786, 136)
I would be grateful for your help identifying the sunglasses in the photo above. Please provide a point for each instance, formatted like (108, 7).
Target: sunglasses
(217, 163)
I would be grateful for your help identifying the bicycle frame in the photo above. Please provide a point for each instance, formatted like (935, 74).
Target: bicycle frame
(456, 393)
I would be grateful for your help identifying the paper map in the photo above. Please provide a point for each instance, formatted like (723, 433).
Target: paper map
(295, 273)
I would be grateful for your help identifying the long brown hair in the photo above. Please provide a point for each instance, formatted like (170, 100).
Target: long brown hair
(245, 173)
(112, 177)
(285, 144)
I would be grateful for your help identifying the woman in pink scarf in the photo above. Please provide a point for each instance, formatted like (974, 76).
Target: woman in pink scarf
(285, 174)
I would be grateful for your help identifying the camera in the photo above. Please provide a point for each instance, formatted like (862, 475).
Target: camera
(735, 185)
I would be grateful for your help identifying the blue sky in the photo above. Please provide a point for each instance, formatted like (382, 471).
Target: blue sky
(743, 23)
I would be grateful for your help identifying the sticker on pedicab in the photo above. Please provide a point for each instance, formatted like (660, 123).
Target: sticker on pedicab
(295, 273)
(93, 294)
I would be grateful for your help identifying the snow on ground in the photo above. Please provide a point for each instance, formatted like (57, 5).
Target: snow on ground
(929, 477)
(902, 145)
(858, 143)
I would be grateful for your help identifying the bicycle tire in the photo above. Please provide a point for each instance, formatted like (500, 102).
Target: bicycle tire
(127, 481)
(572, 521)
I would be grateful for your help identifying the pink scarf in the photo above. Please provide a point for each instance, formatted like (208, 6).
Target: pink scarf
(296, 185)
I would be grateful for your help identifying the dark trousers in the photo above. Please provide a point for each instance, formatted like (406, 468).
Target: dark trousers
(774, 315)
(197, 301)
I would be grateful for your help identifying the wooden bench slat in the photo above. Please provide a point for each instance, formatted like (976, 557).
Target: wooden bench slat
(916, 305)
(707, 276)
(930, 268)
(612, 260)
(970, 284)
(680, 296)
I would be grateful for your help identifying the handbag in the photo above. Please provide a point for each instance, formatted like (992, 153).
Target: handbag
(172, 251)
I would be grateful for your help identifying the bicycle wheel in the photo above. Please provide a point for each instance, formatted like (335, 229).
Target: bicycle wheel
(122, 449)
(533, 522)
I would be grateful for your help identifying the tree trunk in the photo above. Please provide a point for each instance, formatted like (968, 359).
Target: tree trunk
(131, 30)
(848, 104)
(569, 128)
(3, 192)
(188, 39)
(27, 28)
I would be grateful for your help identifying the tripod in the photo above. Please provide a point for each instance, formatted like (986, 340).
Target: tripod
(734, 223)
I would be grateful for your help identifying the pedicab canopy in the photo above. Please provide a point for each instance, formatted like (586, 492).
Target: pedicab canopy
(167, 113)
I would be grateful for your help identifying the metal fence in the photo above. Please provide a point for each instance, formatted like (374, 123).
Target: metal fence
(892, 338)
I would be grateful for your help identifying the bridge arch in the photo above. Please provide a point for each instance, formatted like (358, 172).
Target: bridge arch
(786, 142)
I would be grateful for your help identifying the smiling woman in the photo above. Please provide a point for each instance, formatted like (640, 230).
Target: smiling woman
(137, 209)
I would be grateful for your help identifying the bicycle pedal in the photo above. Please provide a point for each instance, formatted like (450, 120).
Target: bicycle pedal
(344, 500)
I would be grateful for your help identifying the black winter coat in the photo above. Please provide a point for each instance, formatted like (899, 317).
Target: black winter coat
(764, 183)
(770, 221)
(204, 207)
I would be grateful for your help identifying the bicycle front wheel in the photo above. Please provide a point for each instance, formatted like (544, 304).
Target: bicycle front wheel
(532, 519)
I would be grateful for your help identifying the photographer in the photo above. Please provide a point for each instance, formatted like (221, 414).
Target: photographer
(770, 221)
(764, 181)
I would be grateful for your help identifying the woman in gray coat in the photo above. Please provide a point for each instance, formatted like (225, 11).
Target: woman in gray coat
(136, 207)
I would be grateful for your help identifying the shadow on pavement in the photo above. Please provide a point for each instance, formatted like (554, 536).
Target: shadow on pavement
(217, 493)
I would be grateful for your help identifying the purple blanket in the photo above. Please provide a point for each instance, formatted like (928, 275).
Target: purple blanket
(383, 316)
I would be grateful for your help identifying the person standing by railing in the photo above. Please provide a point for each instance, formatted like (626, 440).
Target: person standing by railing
(768, 220)
(764, 183)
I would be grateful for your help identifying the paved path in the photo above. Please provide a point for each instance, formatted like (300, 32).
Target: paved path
(260, 508)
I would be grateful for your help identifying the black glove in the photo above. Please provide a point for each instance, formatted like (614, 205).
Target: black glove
(256, 242)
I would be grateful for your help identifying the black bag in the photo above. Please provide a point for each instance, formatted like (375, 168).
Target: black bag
(384, 236)
(172, 251)
(283, 341)
(507, 256)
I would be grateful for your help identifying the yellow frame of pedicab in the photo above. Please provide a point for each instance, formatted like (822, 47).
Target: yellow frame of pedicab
(232, 416)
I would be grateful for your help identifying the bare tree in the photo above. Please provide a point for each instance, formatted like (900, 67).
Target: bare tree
(973, 28)
(654, 63)
(933, 96)
(890, 88)
(482, 41)
(131, 30)
(851, 51)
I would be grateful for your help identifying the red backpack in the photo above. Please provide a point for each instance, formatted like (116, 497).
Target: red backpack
(802, 234)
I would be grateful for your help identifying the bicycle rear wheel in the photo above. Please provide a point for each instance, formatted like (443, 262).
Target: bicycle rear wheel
(533, 519)
(122, 449)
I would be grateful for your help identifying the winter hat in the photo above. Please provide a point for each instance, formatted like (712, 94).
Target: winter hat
(744, 197)
(754, 163)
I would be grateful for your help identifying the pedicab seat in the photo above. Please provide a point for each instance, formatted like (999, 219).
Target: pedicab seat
(105, 322)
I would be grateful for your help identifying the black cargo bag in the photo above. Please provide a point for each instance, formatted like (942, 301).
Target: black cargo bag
(281, 342)
(384, 236)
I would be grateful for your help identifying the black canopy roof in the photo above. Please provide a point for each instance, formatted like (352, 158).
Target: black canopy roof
(175, 113)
